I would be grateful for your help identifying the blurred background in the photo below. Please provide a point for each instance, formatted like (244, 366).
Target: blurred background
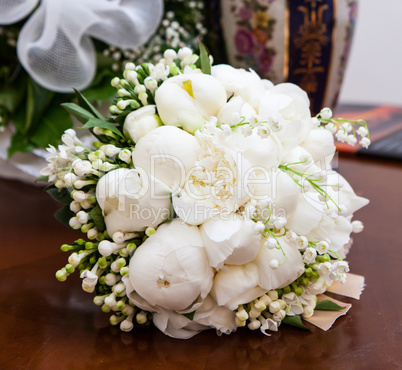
(373, 74)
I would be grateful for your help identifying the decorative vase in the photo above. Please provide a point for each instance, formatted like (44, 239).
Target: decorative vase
(306, 42)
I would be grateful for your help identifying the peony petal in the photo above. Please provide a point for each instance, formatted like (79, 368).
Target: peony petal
(290, 267)
(236, 285)
(231, 241)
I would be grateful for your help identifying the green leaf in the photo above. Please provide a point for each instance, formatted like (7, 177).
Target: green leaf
(43, 178)
(84, 103)
(38, 99)
(204, 60)
(53, 123)
(63, 215)
(295, 321)
(189, 315)
(12, 94)
(102, 123)
(97, 217)
(328, 305)
(78, 112)
(62, 195)
(19, 143)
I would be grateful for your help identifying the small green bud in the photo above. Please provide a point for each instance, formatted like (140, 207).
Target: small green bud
(105, 308)
(304, 280)
(286, 289)
(70, 268)
(309, 271)
(121, 262)
(124, 271)
(102, 262)
(324, 258)
(120, 305)
(89, 245)
(61, 275)
(66, 248)
(298, 291)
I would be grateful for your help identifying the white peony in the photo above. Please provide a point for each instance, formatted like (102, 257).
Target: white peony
(263, 154)
(167, 153)
(132, 201)
(188, 100)
(232, 240)
(290, 105)
(218, 184)
(140, 122)
(170, 269)
(239, 82)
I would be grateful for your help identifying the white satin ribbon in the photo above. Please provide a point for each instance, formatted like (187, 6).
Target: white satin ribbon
(55, 45)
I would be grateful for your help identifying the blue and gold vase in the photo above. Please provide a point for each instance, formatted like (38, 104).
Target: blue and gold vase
(306, 42)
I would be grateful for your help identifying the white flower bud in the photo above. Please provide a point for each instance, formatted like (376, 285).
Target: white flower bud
(322, 247)
(126, 325)
(125, 156)
(273, 294)
(83, 217)
(123, 93)
(266, 300)
(129, 66)
(74, 223)
(82, 168)
(254, 325)
(170, 55)
(362, 131)
(242, 315)
(185, 52)
(132, 77)
(357, 226)
(111, 279)
(116, 82)
(79, 196)
(274, 307)
(274, 264)
(75, 206)
(326, 113)
(92, 233)
(279, 316)
(308, 311)
(254, 313)
(141, 317)
(69, 179)
(365, 142)
(331, 127)
(309, 255)
(110, 150)
(240, 323)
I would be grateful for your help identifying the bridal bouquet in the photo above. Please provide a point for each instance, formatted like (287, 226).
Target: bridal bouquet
(207, 199)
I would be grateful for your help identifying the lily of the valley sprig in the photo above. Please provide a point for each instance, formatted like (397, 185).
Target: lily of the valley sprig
(207, 199)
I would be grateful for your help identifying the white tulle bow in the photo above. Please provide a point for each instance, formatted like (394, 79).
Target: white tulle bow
(55, 45)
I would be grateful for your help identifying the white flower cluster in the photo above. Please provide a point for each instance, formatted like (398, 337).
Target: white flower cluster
(344, 131)
(228, 192)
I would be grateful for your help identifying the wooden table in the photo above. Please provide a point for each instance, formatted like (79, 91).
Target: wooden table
(46, 324)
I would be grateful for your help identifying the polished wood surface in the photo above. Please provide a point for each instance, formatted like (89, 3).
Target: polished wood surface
(45, 324)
